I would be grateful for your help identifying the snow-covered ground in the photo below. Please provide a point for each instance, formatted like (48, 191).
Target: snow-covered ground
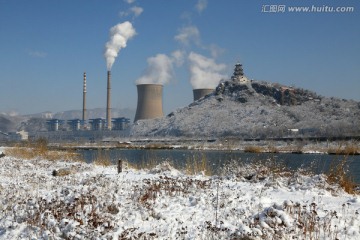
(94, 202)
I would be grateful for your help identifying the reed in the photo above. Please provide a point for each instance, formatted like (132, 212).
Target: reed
(103, 158)
(39, 149)
(338, 174)
(197, 164)
(253, 149)
(352, 148)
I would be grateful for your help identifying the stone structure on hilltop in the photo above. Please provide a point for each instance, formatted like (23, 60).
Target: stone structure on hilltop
(238, 75)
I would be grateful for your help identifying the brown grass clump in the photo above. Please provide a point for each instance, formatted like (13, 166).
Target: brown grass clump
(62, 172)
(103, 158)
(272, 149)
(351, 149)
(196, 165)
(253, 149)
(157, 146)
(39, 148)
(348, 149)
(338, 174)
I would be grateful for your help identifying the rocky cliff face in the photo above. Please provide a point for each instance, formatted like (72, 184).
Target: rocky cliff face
(279, 94)
(257, 109)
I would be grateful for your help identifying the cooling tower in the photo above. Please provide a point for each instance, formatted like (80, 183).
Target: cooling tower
(149, 101)
(202, 92)
(108, 102)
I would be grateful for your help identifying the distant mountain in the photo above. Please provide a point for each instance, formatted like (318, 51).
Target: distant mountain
(10, 123)
(254, 109)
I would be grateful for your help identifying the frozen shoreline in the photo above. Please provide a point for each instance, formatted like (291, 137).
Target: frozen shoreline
(96, 202)
(336, 147)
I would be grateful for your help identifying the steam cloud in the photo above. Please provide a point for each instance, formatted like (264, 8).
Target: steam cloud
(136, 11)
(160, 68)
(188, 34)
(201, 5)
(205, 73)
(119, 35)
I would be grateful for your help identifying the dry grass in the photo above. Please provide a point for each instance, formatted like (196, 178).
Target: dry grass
(127, 165)
(103, 158)
(157, 146)
(253, 149)
(338, 174)
(352, 148)
(272, 149)
(197, 164)
(39, 148)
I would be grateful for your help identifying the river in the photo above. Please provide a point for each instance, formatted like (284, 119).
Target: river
(216, 160)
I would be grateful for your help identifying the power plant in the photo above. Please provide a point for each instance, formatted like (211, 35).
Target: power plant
(202, 92)
(149, 106)
(149, 103)
(108, 102)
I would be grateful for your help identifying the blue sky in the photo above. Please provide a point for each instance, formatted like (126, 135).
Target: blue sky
(46, 45)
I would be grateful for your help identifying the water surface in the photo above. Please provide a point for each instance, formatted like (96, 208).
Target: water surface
(216, 160)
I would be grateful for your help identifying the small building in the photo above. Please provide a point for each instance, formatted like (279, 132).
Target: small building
(54, 124)
(18, 136)
(75, 124)
(293, 130)
(120, 123)
(97, 124)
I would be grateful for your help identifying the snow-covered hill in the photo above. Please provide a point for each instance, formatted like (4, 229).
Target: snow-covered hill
(257, 109)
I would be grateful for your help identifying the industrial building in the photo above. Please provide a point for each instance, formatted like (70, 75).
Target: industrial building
(120, 123)
(75, 124)
(55, 124)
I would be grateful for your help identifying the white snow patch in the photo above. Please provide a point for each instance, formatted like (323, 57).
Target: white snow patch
(96, 202)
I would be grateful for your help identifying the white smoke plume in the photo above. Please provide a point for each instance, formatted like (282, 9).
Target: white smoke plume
(205, 72)
(119, 35)
(160, 68)
(201, 5)
(135, 10)
(188, 34)
(37, 54)
(178, 57)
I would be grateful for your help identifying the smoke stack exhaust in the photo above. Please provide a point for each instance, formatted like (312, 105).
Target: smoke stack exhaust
(108, 102)
(149, 104)
(84, 100)
(201, 92)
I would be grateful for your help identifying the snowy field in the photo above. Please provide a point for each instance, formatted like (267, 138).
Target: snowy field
(94, 202)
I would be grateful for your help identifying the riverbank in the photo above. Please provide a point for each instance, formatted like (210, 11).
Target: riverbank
(350, 147)
(93, 201)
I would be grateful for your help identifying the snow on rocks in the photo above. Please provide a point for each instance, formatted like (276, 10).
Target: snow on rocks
(94, 202)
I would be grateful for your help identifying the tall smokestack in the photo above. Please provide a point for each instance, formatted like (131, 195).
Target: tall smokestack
(149, 101)
(201, 92)
(84, 100)
(108, 102)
